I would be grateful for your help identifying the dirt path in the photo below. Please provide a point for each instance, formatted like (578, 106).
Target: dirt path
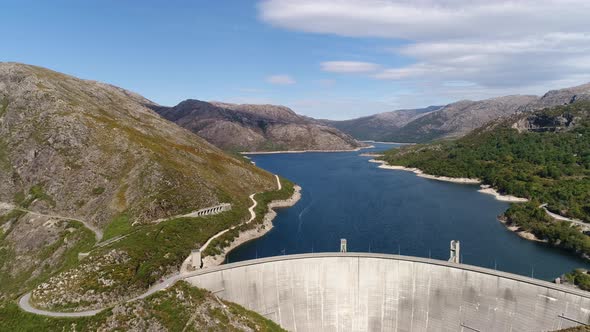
(97, 232)
(278, 182)
(24, 302)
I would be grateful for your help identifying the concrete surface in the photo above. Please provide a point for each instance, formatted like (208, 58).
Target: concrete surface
(376, 292)
(25, 305)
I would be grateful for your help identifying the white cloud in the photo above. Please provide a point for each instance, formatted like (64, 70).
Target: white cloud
(349, 67)
(427, 19)
(509, 63)
(280, 80)
(490, 46)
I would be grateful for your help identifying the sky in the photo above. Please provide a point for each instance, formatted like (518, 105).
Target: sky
(334, 59)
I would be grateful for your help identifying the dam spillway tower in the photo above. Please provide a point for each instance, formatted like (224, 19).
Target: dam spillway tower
(455, 255)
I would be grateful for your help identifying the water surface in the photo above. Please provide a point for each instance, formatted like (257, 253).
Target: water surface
(386, 211)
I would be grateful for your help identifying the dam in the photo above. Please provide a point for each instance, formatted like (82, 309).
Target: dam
(380, 292)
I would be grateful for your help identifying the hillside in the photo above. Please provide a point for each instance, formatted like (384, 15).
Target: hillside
(457, 119)
(543, 156)
(181, 308)
(380, 126)
(99, 151)
(79, 159)
(256, 127)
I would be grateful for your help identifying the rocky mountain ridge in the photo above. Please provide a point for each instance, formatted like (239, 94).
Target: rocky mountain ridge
(458, 119)
(256, 127)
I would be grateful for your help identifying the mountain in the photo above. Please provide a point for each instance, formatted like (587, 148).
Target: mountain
(379, 126)
(77, 153)
(256, 127)
(457, 119)
(453, 120)
(559, 97)
(99, 150)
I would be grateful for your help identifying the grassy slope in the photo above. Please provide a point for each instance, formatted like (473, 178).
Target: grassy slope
(150, 249)
(182, 306)
(154, 251)
(546, 167)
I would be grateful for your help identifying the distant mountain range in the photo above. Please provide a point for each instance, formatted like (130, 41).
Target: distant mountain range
(453, 120)
(380, 127)
(256, 127)
(276, 128)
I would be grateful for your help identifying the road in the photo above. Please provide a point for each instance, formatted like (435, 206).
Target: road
(577, 222)
(24, 301)
(97, 232)
(26, 306)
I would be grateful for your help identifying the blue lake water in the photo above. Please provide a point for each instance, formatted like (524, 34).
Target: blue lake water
(386, 211)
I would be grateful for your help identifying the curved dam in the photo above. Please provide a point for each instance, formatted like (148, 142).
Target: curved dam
(377, 292)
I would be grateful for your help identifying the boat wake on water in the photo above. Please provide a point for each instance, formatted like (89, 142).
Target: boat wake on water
(301, 214)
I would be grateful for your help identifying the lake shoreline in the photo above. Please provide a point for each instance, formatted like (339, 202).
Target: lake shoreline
(304, 151)
(484, 189)
(420, 173)
(371, 141)
(258, 231)
(518, 231)
(488, 190)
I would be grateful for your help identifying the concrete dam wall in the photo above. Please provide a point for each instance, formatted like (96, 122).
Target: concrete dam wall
(374, 292)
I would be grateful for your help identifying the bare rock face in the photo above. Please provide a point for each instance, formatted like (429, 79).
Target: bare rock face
(546, 123)
(458, 119)
(256, 127)
(555, 119)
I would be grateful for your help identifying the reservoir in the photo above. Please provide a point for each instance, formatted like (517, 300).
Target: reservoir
(394, 212)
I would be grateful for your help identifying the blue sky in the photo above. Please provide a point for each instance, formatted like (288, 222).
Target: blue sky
(329, 59)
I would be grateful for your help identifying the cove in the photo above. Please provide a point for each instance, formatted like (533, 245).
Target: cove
(385, 211)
